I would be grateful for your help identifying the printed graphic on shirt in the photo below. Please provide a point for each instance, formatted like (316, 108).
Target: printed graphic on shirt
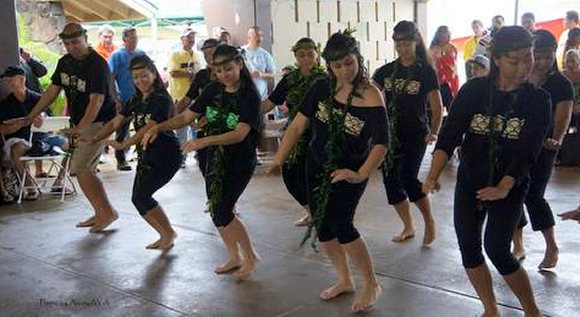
(72, 81)
(510, 128)
(352, 124)
(413, 87)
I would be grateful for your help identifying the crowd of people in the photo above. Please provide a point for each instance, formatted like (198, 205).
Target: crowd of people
(506, 125)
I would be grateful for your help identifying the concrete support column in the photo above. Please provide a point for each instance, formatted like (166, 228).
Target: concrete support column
(8, 38)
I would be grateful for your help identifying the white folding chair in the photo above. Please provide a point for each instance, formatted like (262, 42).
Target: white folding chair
(49, 124)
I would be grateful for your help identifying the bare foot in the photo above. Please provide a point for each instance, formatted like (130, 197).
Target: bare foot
(520, 255)
(494, 313)
(367, 299)
(166, 242)
(430, 235)
(87, 223)
(153, 246)
(304, 221)
(405, 235)
(101, 225)
(550, 259)
(246, 269)
(337, 289)
(230, 266)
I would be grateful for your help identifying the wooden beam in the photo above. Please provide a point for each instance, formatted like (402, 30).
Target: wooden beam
(74, 12)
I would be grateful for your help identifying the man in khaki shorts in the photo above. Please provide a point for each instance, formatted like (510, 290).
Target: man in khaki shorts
(85, 78)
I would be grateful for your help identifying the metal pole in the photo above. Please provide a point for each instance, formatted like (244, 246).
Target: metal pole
(516, 13)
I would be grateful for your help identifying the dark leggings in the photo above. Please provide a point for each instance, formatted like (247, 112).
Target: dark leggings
(502, 218)
(295, 180)
(402, 182)
(538, 208)
(233, 186)
(155, 169)
(343, 200)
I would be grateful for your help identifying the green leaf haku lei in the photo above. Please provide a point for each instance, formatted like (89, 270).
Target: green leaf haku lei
(393, 108)
(336, 119)
(219, 120)
(494, 152)
(299, 85)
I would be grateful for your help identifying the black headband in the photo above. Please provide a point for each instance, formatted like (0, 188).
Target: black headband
(239, 54)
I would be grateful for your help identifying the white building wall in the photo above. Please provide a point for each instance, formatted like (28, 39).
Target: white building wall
(293, 19)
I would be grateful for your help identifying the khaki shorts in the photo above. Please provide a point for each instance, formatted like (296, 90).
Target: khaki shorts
(86, 158)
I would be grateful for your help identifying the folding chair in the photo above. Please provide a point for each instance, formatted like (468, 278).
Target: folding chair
(49, 124)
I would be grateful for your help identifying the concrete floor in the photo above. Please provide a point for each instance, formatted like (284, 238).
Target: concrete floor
(50, 268)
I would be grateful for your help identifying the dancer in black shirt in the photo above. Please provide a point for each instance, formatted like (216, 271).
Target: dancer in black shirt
(409, 83)
(500, 121)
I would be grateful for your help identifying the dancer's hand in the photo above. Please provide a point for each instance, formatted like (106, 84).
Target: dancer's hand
(149, 137)
(551, 144)
(430, 138)
(431, 185)
(116, 145)
(492, 193)
(572, 214)
(273, 168)
(347, 175)
(194, 145)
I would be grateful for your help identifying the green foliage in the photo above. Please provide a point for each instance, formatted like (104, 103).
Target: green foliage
(44, 54)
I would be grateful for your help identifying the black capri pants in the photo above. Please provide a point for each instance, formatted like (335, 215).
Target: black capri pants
(402, 182)
(502, 218)
(343, 200)
(295, 179)
(156, 167)
(234, 185)
(538, 208)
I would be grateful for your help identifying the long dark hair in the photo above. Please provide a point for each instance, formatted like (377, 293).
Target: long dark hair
(574, 33)
(407, 30)
(441, 32)
(338, 46)
(545, 41)
(144, 62)
(507, 39)
(226, 53)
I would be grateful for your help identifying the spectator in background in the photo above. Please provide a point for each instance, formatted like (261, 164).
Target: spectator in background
(33, 70)
(260, 62)
(225, 37)
(572, 72)
(479, 66)
(570, 21)
(444, 54)
(482, 48)
(106, 47)
(478, 33)
(121, 75)
(573, 41)
(183, 65)
(528, 21)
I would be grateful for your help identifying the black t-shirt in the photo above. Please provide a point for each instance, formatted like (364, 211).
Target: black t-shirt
(293, 80)
(200, 81)
(522, 131)
(11, 108)
(363, 127)
(560, 89)
(156, 107)
(80, 79)
(412, 105)
(244, 107)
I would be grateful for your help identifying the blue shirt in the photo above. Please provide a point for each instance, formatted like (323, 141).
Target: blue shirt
(260, 60)
(119, 65)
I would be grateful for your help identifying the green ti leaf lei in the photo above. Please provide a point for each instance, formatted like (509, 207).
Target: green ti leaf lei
(220, 120)
(494, 135)
(336, 119)
(299, 85)
(393, 109)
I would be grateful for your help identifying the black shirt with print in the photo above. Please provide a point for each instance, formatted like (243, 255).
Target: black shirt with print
(11, 108)
(363, 127)
(412, 106)
(156, 107)
(245, 106)
(80, 79)
(522, 132)
(560, 89)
